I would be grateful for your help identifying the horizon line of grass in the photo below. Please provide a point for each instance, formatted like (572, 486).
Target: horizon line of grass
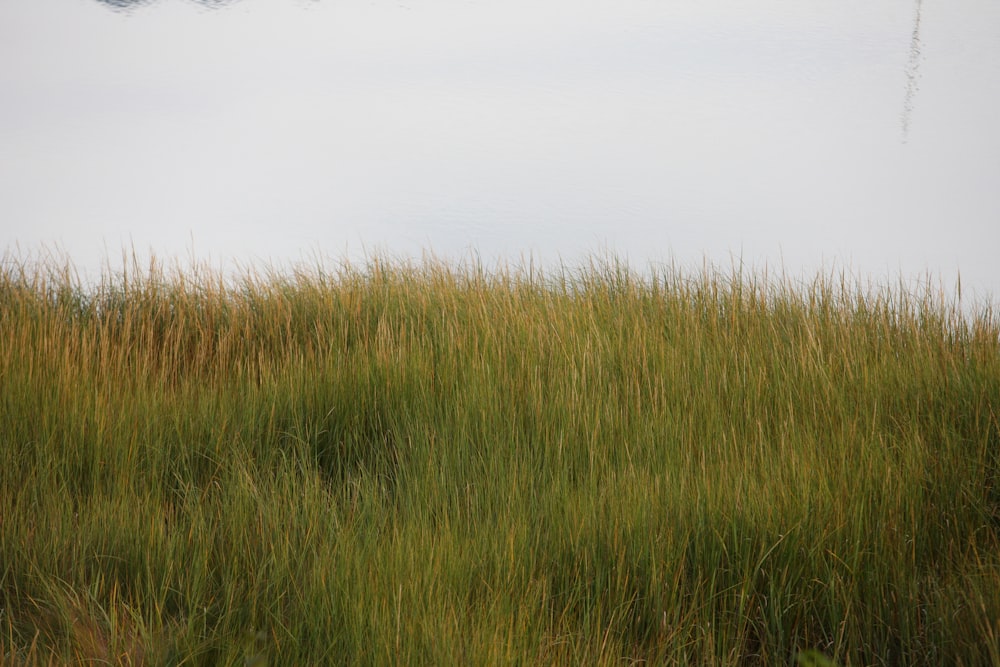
(427, 463)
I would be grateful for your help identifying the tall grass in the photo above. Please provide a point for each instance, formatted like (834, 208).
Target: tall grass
(434, 464)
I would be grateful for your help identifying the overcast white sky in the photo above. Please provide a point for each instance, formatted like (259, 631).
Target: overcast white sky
(656, 129)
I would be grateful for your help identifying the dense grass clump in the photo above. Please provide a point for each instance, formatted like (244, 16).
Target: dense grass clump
(433, 464)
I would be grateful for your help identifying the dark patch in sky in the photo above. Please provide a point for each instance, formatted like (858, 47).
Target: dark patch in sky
(128, 5)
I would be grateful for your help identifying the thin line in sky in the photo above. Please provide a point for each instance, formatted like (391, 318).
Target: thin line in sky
(912, 74)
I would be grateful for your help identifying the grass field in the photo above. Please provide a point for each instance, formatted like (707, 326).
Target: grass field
(446, 465)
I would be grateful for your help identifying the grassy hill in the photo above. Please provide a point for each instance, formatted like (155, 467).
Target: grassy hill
(433, 464)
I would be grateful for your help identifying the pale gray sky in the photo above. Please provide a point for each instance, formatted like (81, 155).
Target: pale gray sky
(656, 129)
